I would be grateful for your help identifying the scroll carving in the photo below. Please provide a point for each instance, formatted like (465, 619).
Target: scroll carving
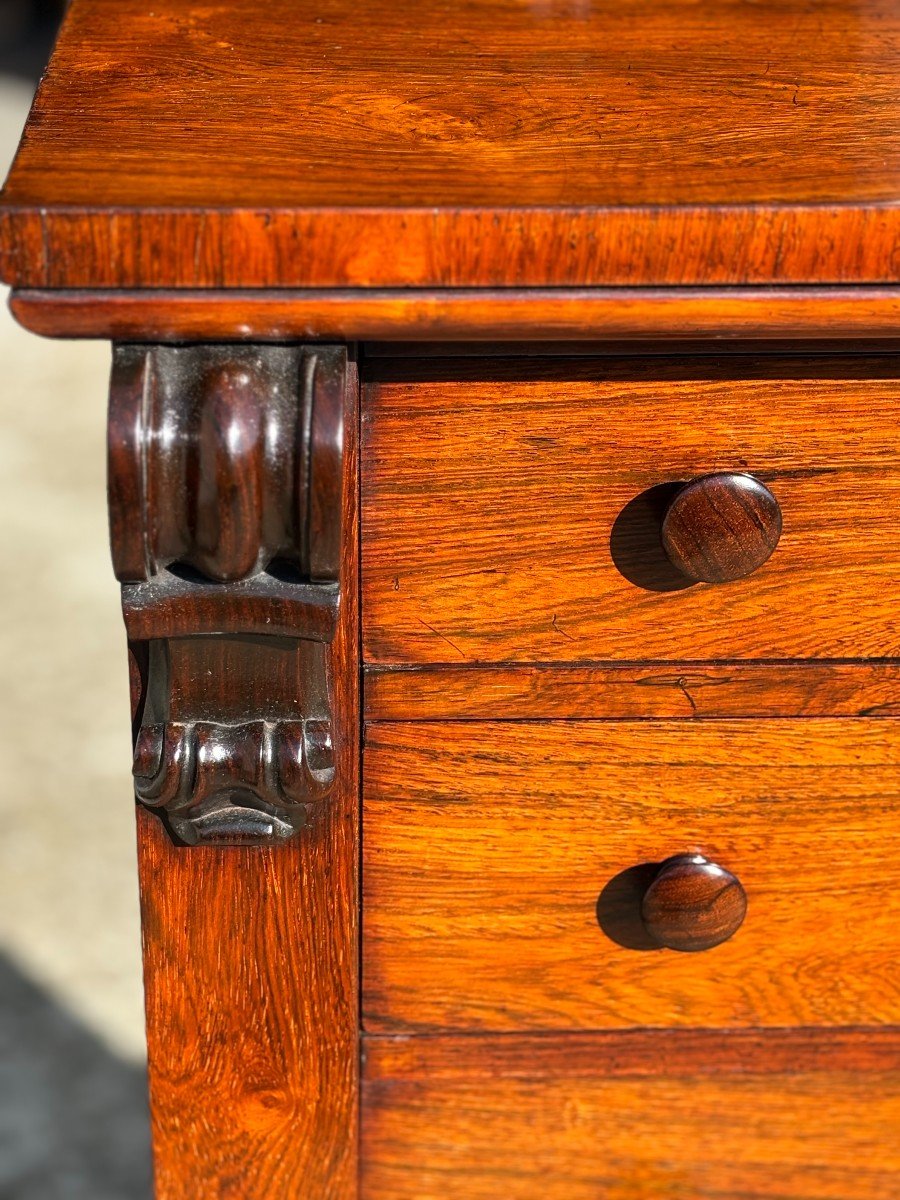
(225, 482)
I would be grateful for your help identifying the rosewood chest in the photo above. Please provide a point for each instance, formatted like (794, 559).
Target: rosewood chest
(504, 479)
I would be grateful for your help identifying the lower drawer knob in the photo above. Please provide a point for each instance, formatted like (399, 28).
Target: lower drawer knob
(721, 527)
(693, 904)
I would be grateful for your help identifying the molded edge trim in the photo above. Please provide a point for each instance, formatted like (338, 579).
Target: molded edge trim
(470, 314)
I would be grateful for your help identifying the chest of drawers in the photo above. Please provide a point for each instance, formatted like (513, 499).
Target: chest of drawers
(503, 490)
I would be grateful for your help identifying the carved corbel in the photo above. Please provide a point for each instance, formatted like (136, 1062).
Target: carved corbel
(225, 486)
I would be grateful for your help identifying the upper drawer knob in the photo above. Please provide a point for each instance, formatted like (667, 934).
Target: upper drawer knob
(721, 527)
(693, 904)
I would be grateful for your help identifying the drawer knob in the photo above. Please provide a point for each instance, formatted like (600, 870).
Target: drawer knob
(721, 527)
(693, 904)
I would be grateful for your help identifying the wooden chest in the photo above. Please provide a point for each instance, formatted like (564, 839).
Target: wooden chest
(503, 485)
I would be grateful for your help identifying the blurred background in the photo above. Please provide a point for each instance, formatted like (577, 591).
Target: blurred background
(73, 1112)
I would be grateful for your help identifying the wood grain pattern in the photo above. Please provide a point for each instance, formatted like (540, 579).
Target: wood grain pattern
(504, 867)
(511, 509)
(693, 904)
(789, 1116)
(493, 169)
(250, 954)
(721, 527)
(78, 247)
(479, 143)
(485, 315)
(519, 691)
(252, 770)
(225, 459)
(225, 486)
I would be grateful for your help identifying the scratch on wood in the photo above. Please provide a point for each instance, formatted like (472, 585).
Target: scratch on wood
(559, 629)
(683, 688)
(442, 636)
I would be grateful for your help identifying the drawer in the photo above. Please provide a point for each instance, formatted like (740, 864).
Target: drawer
(513, 510)
(512, 874)
(633, 1117)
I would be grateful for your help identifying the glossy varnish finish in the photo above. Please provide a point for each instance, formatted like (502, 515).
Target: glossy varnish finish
(238, 452)
(633, 1117)
(512, 509)
(523, 172)
(478, 143)
(250, 952)
(721, 527)
(517, 692)
(582, 315)
(505, 866)
(692, 904)
(225, 486)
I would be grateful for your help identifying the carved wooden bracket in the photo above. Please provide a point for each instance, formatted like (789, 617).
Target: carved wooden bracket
(226, 486)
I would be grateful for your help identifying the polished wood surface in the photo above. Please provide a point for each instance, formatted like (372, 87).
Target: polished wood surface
(579, 314)
(73, 247)
(512, 508)
(517, 692)
(693, 904)
(249, 977)
(721, 527)
(633, 1117)
(478, 104)
(239, 448)
(479, 143)
(633, 271)
(226, 472)
(505, 865)
(251, 951)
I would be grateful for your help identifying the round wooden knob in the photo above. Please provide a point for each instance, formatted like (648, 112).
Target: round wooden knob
(693, 904)
(721, 527)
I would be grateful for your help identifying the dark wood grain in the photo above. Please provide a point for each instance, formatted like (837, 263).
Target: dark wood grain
(512, 508)
(77, 247)
(522, 691)
(177, 605)
(481, 143)
(787, 1116)
(250, 953)
(519, 175)
(505, 865)
(721, 527)
(693, 904)
(226, 459)
(485, 315)
(225, 483)
(251, 1017)
(255, 768)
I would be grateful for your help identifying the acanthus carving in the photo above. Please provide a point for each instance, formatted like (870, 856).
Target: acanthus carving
(203, 774)
(226, 469)
(252, 770)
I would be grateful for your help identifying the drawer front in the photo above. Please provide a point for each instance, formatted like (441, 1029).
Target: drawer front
(582, 1119)
(514, 512)
(507, 869)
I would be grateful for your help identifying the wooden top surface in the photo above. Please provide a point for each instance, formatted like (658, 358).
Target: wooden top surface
(357, 143)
